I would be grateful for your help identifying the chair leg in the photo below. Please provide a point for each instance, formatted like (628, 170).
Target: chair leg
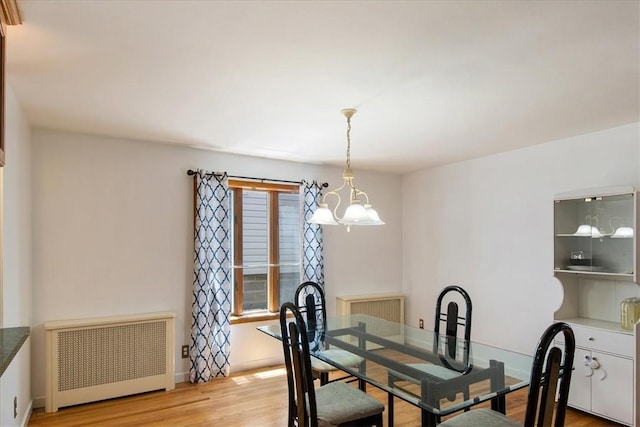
(390, 410)
(378, 420)
(324, 378)
(372, 420)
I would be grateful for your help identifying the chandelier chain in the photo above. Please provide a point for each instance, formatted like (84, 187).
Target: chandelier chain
(348, 142)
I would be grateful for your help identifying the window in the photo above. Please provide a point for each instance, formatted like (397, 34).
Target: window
(265, 245)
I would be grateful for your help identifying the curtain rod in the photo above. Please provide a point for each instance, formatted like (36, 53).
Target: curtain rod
(191, 172)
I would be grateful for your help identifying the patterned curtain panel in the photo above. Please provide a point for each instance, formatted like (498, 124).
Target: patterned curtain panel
(312, 246)
(210, 326)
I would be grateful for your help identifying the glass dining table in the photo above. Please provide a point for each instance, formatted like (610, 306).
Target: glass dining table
(438, 375)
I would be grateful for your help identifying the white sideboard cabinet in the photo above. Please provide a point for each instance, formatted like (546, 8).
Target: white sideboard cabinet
(595, 260)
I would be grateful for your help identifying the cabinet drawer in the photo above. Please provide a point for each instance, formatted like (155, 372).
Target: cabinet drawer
(602, 340)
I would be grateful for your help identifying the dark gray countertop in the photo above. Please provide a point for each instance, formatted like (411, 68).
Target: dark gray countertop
(11, 339)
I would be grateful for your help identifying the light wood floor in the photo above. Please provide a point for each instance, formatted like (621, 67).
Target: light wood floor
(246, 399)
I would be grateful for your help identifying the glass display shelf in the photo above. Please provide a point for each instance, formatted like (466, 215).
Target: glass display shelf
(595, 234)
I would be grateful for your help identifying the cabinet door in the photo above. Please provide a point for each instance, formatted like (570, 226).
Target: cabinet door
(612, 394)
(595, 234)
(580, 388)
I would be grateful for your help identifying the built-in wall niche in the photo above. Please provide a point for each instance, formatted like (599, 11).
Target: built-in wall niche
(594, 301)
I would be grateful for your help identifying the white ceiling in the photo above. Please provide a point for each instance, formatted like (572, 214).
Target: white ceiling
(434, 82)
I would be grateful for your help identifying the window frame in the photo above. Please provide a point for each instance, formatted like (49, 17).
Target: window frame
(236, 186)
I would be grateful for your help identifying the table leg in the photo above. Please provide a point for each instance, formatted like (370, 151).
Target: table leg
(428, 419)
(390, 409)
(362, 368)
(430, 395)
(498, 403)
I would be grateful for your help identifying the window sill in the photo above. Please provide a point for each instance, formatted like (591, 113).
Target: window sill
(257, 317)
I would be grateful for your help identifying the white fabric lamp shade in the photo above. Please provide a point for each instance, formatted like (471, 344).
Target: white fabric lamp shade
(322, 216)
(356, 214)
(373, 215)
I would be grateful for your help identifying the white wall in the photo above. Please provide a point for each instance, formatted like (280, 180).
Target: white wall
(113, 227)
(16, 270)
(17, 217)
(487, 225)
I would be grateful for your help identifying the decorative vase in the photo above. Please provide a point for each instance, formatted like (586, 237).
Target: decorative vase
(629, 312)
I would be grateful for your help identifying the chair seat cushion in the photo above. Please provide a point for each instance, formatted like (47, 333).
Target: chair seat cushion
(340, 403)
(342, 357)
(480, 418)
(431, 369)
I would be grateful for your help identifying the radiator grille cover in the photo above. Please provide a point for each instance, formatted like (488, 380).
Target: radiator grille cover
(90, 357)
(387, 309)
(105, 357)
(383, 306)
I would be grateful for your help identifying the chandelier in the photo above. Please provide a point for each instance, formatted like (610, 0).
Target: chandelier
(359, 211)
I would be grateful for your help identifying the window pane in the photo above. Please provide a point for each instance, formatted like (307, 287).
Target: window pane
(289, 243)
(254, 249)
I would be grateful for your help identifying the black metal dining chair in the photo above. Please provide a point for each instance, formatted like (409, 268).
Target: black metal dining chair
(550, 373)
(310, 300)
(447, 349)
(333, 404)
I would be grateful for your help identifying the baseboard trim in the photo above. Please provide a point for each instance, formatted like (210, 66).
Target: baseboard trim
(27, 415)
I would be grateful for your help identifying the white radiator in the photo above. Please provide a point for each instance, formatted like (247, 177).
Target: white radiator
(101, 358)
(389, 307)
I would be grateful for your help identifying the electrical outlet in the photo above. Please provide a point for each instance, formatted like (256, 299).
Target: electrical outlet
(185, 351)
(420, 323)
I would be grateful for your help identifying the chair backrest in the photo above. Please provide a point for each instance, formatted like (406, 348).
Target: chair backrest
(551, 366)
(310, 301)
(452, 318)
(297, 360)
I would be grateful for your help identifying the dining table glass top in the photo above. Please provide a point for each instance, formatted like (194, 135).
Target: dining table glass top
(437, 374)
